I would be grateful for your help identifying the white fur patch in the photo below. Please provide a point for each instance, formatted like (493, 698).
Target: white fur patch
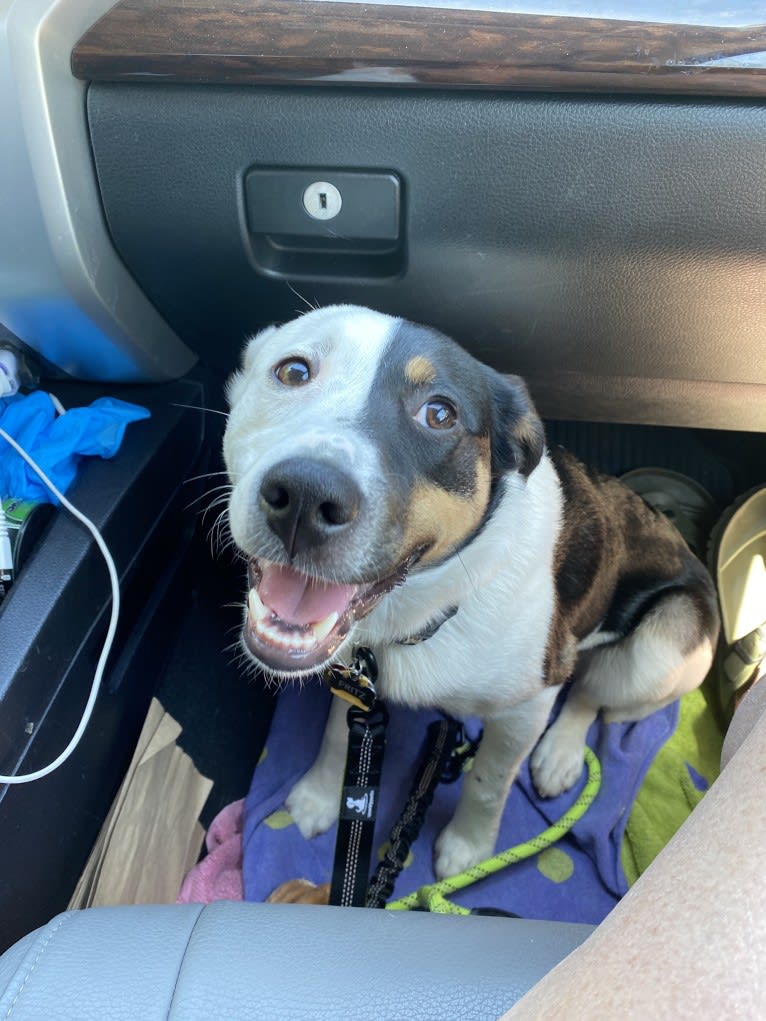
(269, 422)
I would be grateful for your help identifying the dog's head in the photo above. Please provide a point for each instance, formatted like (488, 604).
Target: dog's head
(360, 447)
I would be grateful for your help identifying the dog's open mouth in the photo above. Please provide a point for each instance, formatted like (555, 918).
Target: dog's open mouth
(296, 623)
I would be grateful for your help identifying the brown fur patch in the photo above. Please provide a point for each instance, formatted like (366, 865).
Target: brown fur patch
(419, 370)
(300, 891)
(442, 520)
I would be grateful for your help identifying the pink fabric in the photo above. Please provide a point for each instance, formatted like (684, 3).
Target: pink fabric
(219, 875)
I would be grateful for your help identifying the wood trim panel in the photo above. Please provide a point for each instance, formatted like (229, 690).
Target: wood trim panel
(303, 42)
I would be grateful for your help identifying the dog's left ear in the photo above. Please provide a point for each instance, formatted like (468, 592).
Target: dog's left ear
(518, 437)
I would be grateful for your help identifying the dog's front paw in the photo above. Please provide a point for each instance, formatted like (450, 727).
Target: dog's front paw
(454, 852)
(556, 763)
(313, 806)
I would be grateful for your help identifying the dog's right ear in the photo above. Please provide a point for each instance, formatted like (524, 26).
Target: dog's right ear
(237, 381)
(518, 437)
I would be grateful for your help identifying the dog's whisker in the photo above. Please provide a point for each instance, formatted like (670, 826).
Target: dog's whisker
(222, 528)
(467, 572)
(199, 407)
(203, 513)
(241, 662)
(224, 545)
(214, 535)
(216, 522)
(205, 475)
(218, 545)
(235, 647)
(311, 308)
(214, 507)
(225, 487)
(215, 502)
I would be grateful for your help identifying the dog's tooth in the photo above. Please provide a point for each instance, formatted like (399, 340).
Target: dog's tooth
(324, 627)
(255, 606)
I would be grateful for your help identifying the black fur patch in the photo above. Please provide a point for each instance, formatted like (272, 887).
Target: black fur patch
(518, 437)
(496, 418)
(446, 458)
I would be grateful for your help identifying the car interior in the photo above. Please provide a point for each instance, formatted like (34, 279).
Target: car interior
(572, 190)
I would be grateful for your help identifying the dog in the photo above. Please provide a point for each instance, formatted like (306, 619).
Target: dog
(391, 491)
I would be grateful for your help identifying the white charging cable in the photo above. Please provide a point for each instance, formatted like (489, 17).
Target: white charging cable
(108, 641)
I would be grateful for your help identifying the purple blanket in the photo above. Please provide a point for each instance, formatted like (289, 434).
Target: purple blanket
(579, 879)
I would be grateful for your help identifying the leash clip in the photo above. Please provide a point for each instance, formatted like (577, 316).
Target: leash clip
(464, 748)
(355, 684)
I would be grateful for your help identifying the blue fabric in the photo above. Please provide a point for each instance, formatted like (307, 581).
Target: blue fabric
(580, 879)
(57, 442)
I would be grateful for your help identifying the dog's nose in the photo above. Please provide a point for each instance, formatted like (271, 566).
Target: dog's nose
(307, 502)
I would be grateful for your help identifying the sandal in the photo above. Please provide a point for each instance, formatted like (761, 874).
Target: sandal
(737, 560)
(682, 500)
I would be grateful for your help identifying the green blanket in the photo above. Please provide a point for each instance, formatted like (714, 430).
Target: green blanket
(682, 771)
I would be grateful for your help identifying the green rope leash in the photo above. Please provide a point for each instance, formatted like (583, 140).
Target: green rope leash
(434, 896)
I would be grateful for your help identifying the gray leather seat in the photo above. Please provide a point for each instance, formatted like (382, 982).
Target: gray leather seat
(233, 960)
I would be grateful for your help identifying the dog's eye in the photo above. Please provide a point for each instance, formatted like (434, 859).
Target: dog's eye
(438, 413)
(293, 372)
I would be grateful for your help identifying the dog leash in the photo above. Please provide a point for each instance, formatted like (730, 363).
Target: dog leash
(446, 752)
(367, 719)
(434, 896)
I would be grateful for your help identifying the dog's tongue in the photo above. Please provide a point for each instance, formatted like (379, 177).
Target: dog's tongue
(297, 599)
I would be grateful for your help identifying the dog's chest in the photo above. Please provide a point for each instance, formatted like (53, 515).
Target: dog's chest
(490, 652)
(488, 655)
